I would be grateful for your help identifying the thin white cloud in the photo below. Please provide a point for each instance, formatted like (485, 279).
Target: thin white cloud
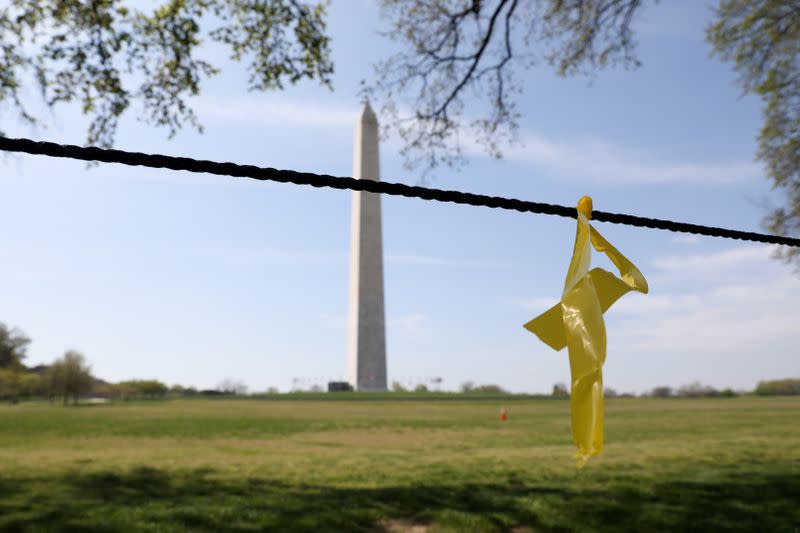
(410, 324)
(13, 276)
(716, 262)
(713, 325)
(578, 159)
(607, 163)
(333, 321)
(273, 112)
(601, 161)
(536, 304)
(260, 256)
(686, 239)
(637, 304)
(746, 302)
(414, 259)
(427, 260)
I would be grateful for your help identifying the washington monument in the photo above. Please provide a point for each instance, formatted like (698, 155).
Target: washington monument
(366, 323)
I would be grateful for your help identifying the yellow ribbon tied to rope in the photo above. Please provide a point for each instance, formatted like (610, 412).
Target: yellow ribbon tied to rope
(577, 323)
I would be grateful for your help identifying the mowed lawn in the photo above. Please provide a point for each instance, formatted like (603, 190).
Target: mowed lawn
(278, 465)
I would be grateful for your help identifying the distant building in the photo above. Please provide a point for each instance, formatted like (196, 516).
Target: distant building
(339, 386)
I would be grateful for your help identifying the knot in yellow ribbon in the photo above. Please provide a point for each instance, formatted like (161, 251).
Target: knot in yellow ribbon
(585, 207)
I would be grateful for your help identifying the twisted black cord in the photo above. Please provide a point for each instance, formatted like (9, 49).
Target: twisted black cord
(397, 189)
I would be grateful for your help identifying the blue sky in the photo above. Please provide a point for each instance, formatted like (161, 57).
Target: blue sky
(191, 278)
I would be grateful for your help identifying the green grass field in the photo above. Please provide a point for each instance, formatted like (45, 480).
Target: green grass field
(256, 465)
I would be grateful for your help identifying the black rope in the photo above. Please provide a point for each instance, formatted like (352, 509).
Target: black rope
(398, 189)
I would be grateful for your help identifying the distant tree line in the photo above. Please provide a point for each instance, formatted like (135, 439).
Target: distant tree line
(132, 389)
(468, 387)
(68, 379)
(778, 387)
(692, 390)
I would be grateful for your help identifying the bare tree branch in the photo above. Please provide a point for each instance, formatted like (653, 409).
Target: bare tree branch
(450, 47)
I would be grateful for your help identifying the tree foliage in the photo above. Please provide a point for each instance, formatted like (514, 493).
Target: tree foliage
(560, 391)
(14, 384)
(490, 389)
(697, 390)
(661, 392)
(106, 56)
(762, 40)
(398, 387)
(141, 388)
(453, 49)
(13, 346)
(232, 386)
(69, 377)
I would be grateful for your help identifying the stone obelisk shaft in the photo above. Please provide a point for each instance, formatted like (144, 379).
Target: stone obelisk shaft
(366, 327)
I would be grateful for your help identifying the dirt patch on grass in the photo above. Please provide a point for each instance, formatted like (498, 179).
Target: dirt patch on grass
(402, 526)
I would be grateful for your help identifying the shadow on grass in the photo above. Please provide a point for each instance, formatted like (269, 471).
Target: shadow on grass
(147, 499)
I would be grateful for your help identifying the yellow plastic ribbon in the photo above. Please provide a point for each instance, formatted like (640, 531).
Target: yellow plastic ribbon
(577, 323)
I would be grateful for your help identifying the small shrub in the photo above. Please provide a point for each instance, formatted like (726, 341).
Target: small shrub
(490, 389)
(697, 390)
(398, 387)
(560, 391)
(661, 392)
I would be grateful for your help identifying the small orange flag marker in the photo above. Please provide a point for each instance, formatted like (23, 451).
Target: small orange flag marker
(503, 415)
(577, 323)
